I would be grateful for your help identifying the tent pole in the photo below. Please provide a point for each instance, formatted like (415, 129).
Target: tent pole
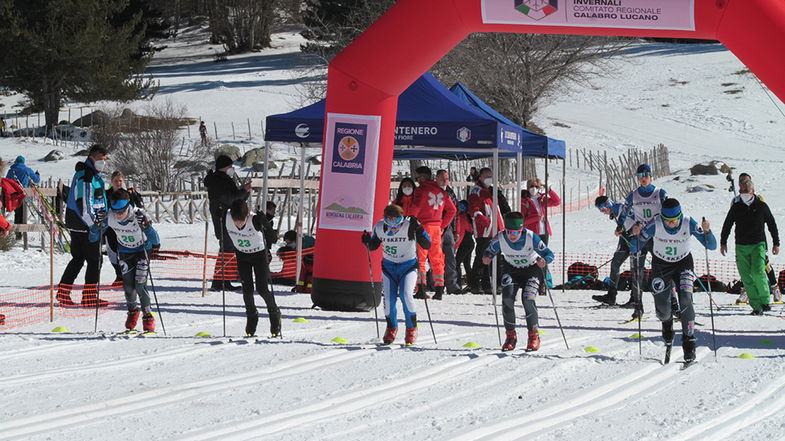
(266, 173)
(563, 225)
(299, 223)
(519, 164)
(494, 231)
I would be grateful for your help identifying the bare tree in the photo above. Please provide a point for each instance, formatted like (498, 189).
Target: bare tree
(518, 73)
(242, 25)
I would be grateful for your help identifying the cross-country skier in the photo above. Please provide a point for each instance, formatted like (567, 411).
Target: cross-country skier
(616, 213)
(248, 234)
(399, 237)
(672, 266)
(135, 238)
(641, 206)
(525, 257)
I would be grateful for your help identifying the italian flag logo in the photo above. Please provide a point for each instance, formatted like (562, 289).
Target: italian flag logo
(537, 9)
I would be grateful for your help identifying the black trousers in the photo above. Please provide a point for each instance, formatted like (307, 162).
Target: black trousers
(464, 255)
(480, 276)
(250, 265)
(82, 250)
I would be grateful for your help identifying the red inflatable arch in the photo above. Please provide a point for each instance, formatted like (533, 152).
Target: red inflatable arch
(364, 82)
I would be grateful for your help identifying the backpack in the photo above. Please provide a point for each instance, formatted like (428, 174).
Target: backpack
(13, 194)
(716, 285)
(581, 275)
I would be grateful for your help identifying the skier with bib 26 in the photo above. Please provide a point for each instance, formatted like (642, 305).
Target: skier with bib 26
(135, 238)
(672, 266)
(248, 234)
(398, 236)
(525, 257)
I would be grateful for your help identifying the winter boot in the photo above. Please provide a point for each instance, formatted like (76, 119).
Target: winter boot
(132, 319)
(411, 336)
(64, 297)
(534, 340)
(148, 323)
(776, 294)
(743, 297)
(439, 293)
(511, 341)
(421, 292)
(638, 313)
(92, 301)
(667, 332)
(607, 299)
(766, 307)
(251, 320)
(275, 323)
(688, 345)
(389, 335)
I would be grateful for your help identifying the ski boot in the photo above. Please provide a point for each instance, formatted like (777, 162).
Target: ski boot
(743, 299)
(638, 313)
(411, 336)
(439, 293)
(275, 323)
(766, 307)
(132, 319)
(511, 341)
(389, 336)
(607, 299)
(251, 320)
(534, 340)
(688, 345)
(421, 292)
(631, 304)
(148, 323)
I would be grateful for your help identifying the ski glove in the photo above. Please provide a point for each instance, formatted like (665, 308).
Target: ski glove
(100, 216)
(141, 219)
(366, 238)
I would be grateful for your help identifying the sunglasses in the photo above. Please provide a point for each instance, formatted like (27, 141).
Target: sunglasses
(642, 175)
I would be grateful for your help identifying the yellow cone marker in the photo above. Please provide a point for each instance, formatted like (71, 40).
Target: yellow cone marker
(202, 334)
(746, 356)
(340, 340)
(471, 345)
(591, 349)
(300, 320)
(765, 342)
(636, 335)
(59, 329)
(540, 331)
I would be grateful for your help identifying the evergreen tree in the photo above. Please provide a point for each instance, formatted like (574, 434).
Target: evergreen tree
(81, 50)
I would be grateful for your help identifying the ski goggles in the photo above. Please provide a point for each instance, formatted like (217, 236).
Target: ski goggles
(671, 217)
(513, 232)
(393, 222)
(604, 205)
(119, 205)
(642, 175)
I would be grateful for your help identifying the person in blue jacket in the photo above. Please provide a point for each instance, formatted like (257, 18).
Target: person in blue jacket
(525, 256)
(617, 213)
(398, 236)
(136, 237)
(86, 206)
(672, 266)
(22, 174)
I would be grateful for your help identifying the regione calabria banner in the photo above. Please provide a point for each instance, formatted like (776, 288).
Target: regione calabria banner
(349, 172)
(630, 14)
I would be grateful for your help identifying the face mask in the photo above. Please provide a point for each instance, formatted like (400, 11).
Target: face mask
(533, 191)
(230, 172)
(407, 191)
(100, 165)
(746, 198)
(443, 187)
(488, 182)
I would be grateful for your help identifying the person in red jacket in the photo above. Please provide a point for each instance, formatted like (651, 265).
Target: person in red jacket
(405, 195)
(481, 212)
(533, 203)
(435, 210)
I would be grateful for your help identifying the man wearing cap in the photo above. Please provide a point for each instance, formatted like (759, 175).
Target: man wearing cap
(672, 267)
(22, 174)
(616, 213)
(222, 191)
(641, 206)
(750, 214)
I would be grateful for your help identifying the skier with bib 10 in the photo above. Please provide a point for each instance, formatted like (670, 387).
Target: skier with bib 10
(672, 265)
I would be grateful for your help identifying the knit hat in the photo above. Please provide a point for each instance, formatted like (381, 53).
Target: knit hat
(20, 160)
(222, 161)
(513, 221)
(671, 210)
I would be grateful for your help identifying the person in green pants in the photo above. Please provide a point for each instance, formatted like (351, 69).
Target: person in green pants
(749, 213)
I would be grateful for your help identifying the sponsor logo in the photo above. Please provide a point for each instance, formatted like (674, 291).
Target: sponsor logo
(302, 131)
(537, 9)
(435, 200)
(464, 134)
(349, 148)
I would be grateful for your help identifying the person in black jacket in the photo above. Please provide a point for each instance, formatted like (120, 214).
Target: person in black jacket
(222, 192)
(749, 213)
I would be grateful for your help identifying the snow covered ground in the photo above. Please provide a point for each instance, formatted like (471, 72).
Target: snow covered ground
(82, 385)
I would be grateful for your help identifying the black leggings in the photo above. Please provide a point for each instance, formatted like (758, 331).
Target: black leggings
(249, 265)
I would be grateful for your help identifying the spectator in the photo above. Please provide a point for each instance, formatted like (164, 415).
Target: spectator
(533, 206)
(86, 206)
(473, 175)
(2, 127)
(203, 133)
(5, 227)
(405, 195)
(750, 214)
(463, 240)
(22, 174)
(482, 215)
(117, 183)
(288, 255)
(451, 281)
(222, 192)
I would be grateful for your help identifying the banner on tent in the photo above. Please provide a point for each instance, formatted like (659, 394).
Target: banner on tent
(349, 175)
(628, 14)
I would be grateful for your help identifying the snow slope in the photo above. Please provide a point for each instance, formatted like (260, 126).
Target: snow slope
(82, 385)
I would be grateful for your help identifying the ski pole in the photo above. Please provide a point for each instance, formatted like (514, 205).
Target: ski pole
(711, 299)
(100, 266)
(428, 311)
(223, 269)
(555, 312)
(711, 307)
(639, 300)
(495, 307)
(373, 293)
(152, 285)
